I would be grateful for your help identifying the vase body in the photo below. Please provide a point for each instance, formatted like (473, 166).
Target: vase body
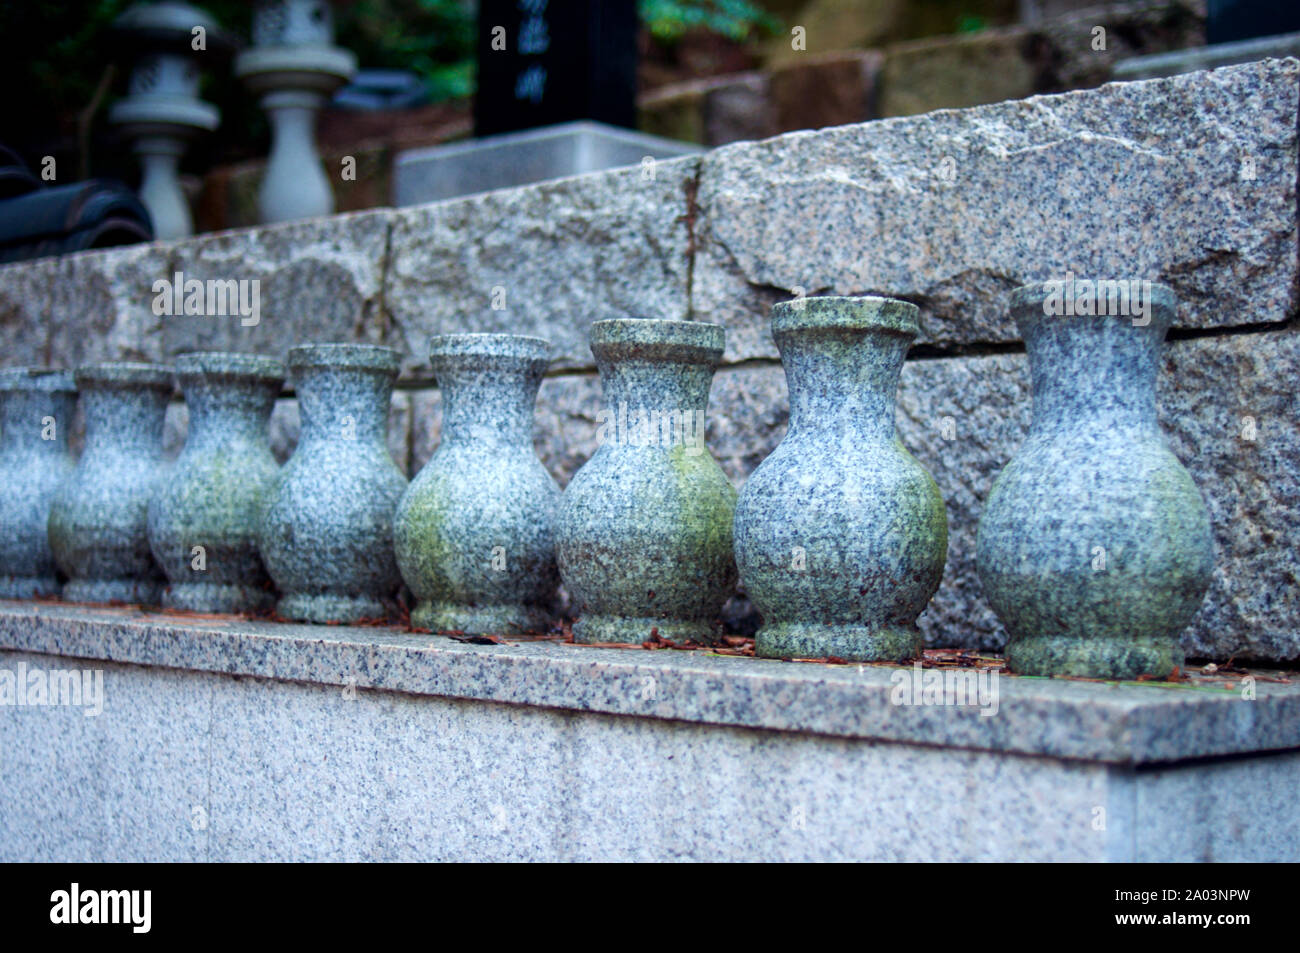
(644, 534)
(36, 407)
(841, 535)
(1094, 546)
(203, 521)
(475, 533)
(326, 533)
(99, 527)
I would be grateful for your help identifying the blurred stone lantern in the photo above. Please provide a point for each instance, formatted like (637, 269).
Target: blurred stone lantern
(168, 44)
(294, 67)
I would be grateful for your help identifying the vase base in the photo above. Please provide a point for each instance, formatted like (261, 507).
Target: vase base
(852, 643)
(1109, 658)
(443, 617)
(28, 587)
(326, 607)
(214, 597)
(604, 629)
(145, 592)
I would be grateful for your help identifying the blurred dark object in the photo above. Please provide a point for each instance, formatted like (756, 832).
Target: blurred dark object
(15, 177)
(1231, 20)
(382, 90)
(36, 222)
(562, 61)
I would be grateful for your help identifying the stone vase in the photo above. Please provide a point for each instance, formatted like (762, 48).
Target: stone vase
(1094, 547)
(644, 533)
(475, 531)
(841, 535)
(203, 521)
(326, 533)
(36, 407)
(99, 529)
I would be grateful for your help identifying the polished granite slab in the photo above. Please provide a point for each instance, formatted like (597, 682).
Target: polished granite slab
(1130, 724)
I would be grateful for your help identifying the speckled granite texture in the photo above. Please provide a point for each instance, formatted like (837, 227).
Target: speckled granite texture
(326, 534)
(644, 533)
(1129, 724)
(36, 408)
(840, 534)
(335, 744)
(953, 209)
(475, 532)
(949, 210)
(213, 499)
(617, 242)
(1094, 547)
(98, 526)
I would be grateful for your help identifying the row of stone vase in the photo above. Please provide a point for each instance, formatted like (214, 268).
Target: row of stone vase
(839, 537)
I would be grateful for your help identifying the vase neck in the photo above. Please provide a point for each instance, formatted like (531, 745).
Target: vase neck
(126, 420)
(648, 387)
(222, 412)
(488, 404)
(1100, 369)
(843, 379)
(35, 421)
(343, 404)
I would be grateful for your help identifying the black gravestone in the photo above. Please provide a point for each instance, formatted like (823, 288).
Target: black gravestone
(1231, 20)
(562, 60)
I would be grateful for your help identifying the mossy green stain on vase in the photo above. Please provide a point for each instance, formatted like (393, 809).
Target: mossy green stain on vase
(203, 521)
(98, 527)
(1094, 547)
(841, 535)
(326, 530)
(474, 533)
(644, 534)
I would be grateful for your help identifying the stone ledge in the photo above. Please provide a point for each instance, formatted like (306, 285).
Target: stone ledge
(1124, 724)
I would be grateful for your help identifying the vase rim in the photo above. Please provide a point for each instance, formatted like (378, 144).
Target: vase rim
(689, 341)
(230, 364)
(363, 357)
(125, 373)
(489, 344)
(46, 379)
(1034, 297)
(851, 313)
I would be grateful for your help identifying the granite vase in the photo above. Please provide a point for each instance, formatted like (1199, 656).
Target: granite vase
(644, 534)
(203, 521)
(475, 533)
(841, 535)
(99, 527)
(36, 407)
(1094, 546)
(326, 533)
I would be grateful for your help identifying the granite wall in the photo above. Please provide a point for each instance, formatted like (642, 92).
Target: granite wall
(1190, 181)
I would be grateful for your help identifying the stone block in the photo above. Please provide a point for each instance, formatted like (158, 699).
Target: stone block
(319, 281)
(1158, 180)
(546, 260)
